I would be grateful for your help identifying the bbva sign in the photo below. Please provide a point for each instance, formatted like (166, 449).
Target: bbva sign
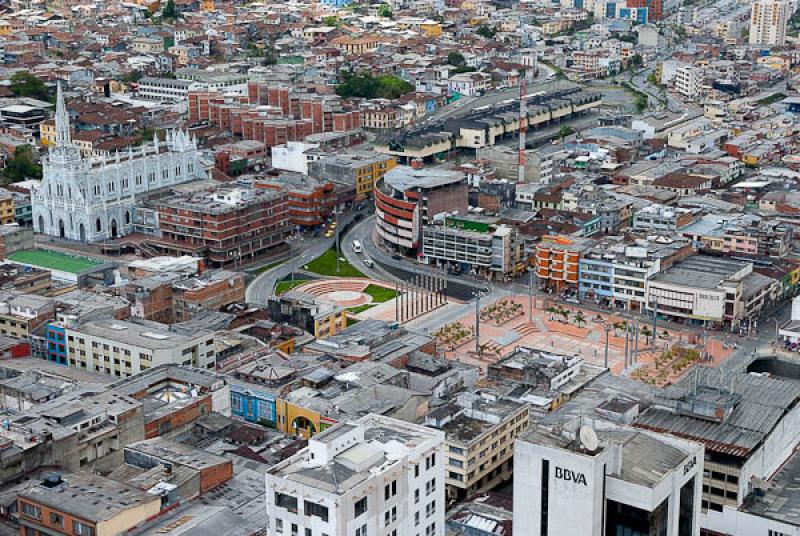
(563, 473)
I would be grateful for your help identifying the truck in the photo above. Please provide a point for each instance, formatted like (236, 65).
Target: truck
(357, 246)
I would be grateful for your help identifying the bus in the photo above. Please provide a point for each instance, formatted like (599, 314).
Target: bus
(357, 246)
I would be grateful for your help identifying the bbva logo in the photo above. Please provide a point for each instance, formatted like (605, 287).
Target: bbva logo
(570, 476)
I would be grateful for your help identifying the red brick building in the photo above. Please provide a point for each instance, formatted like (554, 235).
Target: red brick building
(227, 226)
(272, 114)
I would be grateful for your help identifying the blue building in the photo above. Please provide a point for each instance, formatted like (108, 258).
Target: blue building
(252, 405)
(55, 338)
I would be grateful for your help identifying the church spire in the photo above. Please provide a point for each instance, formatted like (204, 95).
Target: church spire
(63, 136)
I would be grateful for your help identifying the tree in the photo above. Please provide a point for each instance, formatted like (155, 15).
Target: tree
(552, 311)
(24, 84)
(169, 10)
(385, 11)
(331, 20)
(369, 87)
(456, 59)
(636, 60)
(484, 30)
(133, 76)
(565, 132)
(22, 165)
(579, 318)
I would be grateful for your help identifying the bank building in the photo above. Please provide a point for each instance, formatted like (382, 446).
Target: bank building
(93, 199)
(612, 481)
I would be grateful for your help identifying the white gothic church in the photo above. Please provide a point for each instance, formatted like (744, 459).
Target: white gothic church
(94, 199)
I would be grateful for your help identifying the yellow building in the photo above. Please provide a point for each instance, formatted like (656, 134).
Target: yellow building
(328, 323)
(296, 420)
(7, 209)
(5, 28)
(47, 132)
(431, 28)
(363, 170)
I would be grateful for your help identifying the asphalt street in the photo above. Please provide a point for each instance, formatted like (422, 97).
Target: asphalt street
(303, 250)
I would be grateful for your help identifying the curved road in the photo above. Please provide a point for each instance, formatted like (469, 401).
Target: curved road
(402, 269)
(301, 252)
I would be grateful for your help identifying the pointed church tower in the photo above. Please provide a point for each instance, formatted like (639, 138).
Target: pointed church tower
(63, 136)
(64, 151)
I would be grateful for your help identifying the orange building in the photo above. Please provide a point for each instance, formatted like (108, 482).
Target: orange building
(557, 261)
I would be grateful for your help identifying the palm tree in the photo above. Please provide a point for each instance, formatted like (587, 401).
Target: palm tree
(552, 310)
(564, 313)
(579, 318)
(618, 326)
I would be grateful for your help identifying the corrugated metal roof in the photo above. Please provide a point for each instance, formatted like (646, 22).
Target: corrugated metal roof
(719, 437)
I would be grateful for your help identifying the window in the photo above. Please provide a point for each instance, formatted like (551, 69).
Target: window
(313, 509)
(362, 531)
(416, 495)
(79, 529)
(278, 526)
(56, 519)
(416, 519)
(294, 529)
(31, 511)
(416, 470)
(308, 532)
(430, 461)
(360, 506)
(390, 490)
(286, 501)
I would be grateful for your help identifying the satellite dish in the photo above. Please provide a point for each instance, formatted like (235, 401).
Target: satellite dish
(589, 439)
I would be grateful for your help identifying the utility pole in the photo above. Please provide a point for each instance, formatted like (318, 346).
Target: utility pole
(477, 322)
(607, 328)
(530, 295)
(627, 332)
(636, 343)
(655, 320)
(336, 222)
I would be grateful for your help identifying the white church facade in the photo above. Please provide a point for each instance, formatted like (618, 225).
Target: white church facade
(93, 199)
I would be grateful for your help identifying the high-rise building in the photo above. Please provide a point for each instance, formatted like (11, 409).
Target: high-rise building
(377, 475)
(768, 19)
(687, 81)
(621, 480)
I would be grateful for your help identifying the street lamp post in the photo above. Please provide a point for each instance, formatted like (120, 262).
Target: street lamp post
(477, 321)
(336, 225)
(607, 328)
(530, 295)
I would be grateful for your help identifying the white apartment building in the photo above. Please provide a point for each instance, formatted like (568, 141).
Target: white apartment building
(375, 476)
(469, 84)
(687, 81)
(630, 482)
(168, 89)
(294, 156)
(123, 348)
(768, 19)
